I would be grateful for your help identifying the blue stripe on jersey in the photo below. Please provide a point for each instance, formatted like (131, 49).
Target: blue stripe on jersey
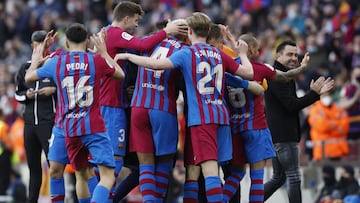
(149, 77)
(63, 89)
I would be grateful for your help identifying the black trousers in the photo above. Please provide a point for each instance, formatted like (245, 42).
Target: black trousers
(5, 168)
(36, 139)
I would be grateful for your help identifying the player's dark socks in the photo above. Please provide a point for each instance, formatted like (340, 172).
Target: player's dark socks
(57, 190)
(257, 186)
(232, 183)
(191, 189)
(129, 183)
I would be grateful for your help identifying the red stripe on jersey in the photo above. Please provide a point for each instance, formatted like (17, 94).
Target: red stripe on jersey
(152, 92)
(86, 108)
(67, 123)
(138, 83)
(143, 99)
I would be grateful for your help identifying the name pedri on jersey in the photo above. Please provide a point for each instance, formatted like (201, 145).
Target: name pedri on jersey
(203, 67)
(77, 76)
(156, 89)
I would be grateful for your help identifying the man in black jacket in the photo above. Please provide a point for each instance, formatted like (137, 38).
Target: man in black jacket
(39, 99)
(282, 114)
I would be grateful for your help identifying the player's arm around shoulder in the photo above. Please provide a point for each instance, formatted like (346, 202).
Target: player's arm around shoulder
(245, 69)
(100, 48)
(147, 62)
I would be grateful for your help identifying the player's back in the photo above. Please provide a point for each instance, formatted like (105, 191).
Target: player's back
(78, 74)
(204, 79)
(247, 109)
(157, 89)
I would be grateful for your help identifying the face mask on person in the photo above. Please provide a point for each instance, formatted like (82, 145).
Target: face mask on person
(329, 181)
(358, 80)
(326, 100)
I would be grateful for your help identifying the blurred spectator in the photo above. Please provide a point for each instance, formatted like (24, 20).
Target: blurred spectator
(329, 126)
(350, 100)
(328, 177)
(17, 189)
(347, 185)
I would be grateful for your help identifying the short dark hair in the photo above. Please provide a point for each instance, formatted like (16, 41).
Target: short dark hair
(215, 32)
(283, 44)
(38, 36)
(126, 8)
(76, 33)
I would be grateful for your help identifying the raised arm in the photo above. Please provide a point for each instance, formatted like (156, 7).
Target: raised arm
(100, 47)
(36, 60)
(147, 62)
(245, 69)
(291, 74)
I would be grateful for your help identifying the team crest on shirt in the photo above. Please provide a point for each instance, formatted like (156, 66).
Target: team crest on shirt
(126, 36)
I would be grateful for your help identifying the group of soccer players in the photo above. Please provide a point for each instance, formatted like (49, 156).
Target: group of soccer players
(225, 114)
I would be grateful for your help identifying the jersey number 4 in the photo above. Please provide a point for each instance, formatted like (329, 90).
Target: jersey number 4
(81, 94)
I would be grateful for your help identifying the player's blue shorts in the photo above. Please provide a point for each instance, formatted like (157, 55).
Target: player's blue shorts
(258, 145)
(116, 123)
(153, 131)
(97, 144)
(57, 146)
(224, 143)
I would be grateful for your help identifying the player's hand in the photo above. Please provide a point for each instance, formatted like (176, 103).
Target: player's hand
(174, 29)
(30, 93)
(121, 56)
(329, 83)
(305, 60)
(99, 44)
(241, 47)
(255, 88)
(50, 38)
(37, 55)
(46, 91)
(228, 35)
(317, 84)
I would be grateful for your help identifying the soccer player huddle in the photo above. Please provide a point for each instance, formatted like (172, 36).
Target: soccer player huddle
(224, 107)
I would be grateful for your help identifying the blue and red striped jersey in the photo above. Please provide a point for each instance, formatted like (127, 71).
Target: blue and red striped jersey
(112, 92)
(157, 89)
(77, 76)
(247, 109)
(203, 68)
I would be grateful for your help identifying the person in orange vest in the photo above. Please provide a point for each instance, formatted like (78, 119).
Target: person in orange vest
(329, 126)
